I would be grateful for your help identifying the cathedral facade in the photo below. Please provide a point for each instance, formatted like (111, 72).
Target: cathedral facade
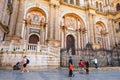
(43, 27)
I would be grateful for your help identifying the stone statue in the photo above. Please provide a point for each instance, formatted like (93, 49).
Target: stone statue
(70, 52)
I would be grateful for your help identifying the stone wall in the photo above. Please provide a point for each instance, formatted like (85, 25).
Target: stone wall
(37, 59)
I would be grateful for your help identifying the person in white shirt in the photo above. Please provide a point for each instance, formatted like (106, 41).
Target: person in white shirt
(96, 63)
(24, 65)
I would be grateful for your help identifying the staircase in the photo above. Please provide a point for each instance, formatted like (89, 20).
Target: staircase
(39, 55)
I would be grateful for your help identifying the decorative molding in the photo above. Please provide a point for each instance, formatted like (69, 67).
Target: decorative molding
(72, 5)
(102, 13)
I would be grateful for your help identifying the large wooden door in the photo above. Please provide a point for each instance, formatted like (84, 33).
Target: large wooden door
(33, 39)
(70, 44)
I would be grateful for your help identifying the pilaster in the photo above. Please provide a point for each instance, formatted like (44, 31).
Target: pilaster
(111, 34)
(56, 23)
(91, 28)
(90, 24)
(14, 17)
(53, 24)
(51, 18)
(19, 24)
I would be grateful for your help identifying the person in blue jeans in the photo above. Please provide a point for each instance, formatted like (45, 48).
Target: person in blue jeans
(95, 63)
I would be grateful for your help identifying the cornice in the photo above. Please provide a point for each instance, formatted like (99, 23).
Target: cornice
(117, 12)
(72, 6)
(117, 19)
(91, 7)
(101, 13)
(113, 13)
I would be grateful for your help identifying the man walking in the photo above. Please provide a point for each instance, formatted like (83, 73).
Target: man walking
(95, 63)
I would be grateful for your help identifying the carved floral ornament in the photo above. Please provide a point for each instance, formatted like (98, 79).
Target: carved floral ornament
(71, 22)
(101, 30)
(35, 18)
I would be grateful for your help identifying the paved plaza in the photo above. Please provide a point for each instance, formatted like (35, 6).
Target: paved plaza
(59, 74)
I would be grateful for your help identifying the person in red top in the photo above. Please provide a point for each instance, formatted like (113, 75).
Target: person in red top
(81, 65)
(71, 70)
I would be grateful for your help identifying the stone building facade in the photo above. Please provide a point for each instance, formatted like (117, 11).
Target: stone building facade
(34, 27)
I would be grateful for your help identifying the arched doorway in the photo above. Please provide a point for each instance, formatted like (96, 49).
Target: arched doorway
(70, 44)
(33, 39)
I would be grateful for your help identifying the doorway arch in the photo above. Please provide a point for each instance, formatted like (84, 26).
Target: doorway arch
(33, 39)
(70, 44)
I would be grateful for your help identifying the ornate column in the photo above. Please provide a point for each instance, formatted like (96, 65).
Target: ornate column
(94, 27)
(9, 11)
(88, 23)
(57, 25)
(41, 39)
(63, 32)
(26, 31)
(51, 21)
(82, 31)
(103, 35)
(63, 36)
(14, 17)
(77, 31)
(53, 25)
(116, 32)
(18, 7)
(27, 23)
(91, 28)
(111, 34)
(19, 23)
(42, 31)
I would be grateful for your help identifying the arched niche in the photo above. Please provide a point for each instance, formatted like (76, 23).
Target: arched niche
(70, 44)
(72, 21)
(33, 39)
(101, 34)
(36, 16)
(117, 7)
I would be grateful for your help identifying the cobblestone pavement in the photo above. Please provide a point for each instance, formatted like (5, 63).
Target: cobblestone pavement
(61, 74)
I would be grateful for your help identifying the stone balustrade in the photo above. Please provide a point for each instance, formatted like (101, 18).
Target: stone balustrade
(13, 47)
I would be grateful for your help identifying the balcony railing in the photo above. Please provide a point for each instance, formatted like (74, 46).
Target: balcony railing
(12, 47)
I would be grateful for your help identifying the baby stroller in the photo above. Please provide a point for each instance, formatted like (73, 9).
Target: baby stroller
(16, 66)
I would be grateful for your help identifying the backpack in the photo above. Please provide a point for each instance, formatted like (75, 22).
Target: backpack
(27, 61)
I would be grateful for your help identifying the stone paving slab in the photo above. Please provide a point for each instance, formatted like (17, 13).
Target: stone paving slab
(46, 69)
(59, 74)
